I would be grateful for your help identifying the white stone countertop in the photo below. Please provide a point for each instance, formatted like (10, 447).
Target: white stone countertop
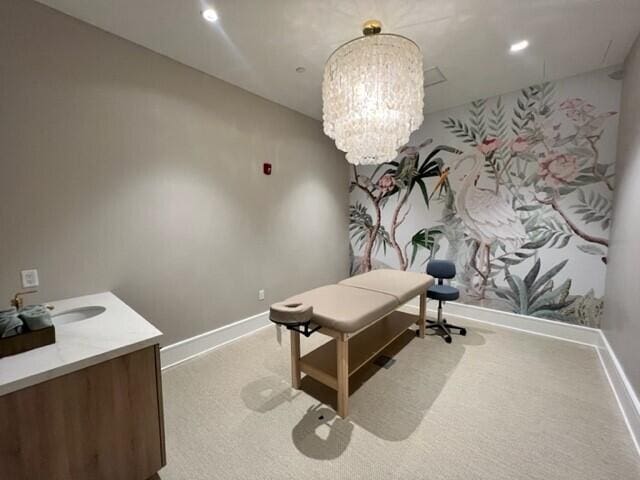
(115, 332)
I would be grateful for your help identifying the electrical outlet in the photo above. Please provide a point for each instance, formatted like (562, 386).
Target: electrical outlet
(260, 294)
(29, 278)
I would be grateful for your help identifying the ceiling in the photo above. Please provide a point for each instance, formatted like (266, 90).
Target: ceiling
(258, 44)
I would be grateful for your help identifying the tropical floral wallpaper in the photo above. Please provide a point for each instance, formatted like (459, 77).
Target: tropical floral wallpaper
(515, 189)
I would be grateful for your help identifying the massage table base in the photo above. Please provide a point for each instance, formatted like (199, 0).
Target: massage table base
(334, 362)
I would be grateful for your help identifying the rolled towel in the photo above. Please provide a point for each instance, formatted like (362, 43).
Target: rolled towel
(36, 317)
(288, 313)
(10, 323)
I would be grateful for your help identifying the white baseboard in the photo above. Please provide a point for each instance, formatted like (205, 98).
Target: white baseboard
(179, 352)
(622, 389)
(538, 326)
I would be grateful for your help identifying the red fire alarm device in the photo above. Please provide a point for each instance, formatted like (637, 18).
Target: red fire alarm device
(266, 168)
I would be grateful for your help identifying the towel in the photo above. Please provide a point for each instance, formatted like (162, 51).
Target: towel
(35, 317)
(10, 323)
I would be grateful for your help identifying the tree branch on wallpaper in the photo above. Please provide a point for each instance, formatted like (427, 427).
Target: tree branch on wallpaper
(397, 178)
(534, 181)
(369, 232)
(553, 202)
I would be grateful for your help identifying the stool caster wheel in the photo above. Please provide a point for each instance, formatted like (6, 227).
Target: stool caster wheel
(463, 331)
(447, 339)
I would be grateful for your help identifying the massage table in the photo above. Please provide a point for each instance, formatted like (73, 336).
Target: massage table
(359, 313)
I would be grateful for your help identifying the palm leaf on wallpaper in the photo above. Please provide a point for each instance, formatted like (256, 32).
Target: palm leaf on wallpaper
(427, 239)
(544, 93)
(535, 294)
(545, 231)
(460, 130)
(591, 249)
(477, 120)
(410, 171)
(497, 129)
(532, 101)
(432, 167)
(593, 207)
(497, 121)
(361, 225)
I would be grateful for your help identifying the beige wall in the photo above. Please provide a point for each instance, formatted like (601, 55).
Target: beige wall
(621, 322)
(123, 170)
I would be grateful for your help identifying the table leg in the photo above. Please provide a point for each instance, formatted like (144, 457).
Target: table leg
(342, 345)
(422, 318)
(295, 359)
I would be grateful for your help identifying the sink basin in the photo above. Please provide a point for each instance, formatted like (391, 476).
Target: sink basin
(76, 315)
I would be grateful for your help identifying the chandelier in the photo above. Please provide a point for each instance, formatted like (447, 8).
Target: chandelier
(372, 95)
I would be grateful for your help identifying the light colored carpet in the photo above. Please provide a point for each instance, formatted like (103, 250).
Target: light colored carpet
(497, 404)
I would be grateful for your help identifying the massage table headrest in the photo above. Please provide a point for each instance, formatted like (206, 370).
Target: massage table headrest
(291, 313)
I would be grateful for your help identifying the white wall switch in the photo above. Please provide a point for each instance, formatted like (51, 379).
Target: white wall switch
(29, 278)
(260, 294)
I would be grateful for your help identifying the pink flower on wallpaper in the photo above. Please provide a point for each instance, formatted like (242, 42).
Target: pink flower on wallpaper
(489, 145)
(571, 103)
(558, 169)
(577, 109)
(386, 183)
(519, 144)
(575, 115)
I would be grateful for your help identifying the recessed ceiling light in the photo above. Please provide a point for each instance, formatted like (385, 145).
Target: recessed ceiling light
(301, 69)
(210, 15)
(516, 47)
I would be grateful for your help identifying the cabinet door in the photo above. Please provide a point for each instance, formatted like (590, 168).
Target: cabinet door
(102, 422)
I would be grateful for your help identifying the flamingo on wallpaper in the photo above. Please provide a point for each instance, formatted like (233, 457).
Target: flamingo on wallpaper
(487, 216)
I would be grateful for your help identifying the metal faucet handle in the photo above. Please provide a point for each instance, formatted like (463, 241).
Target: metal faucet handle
(18, 301)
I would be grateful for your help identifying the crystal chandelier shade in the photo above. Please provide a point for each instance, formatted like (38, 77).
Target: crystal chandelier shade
(373, 96)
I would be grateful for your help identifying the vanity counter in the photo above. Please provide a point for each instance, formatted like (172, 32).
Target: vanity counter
(117, 331)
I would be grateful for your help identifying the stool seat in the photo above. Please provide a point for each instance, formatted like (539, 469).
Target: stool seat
(445, 293)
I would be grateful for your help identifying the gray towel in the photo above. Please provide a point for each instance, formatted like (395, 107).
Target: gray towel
(35, 317)
(10, 323)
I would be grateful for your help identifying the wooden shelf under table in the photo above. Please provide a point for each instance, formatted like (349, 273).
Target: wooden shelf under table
(321, 363)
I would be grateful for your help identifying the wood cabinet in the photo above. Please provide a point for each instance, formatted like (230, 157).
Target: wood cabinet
(101, 422)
